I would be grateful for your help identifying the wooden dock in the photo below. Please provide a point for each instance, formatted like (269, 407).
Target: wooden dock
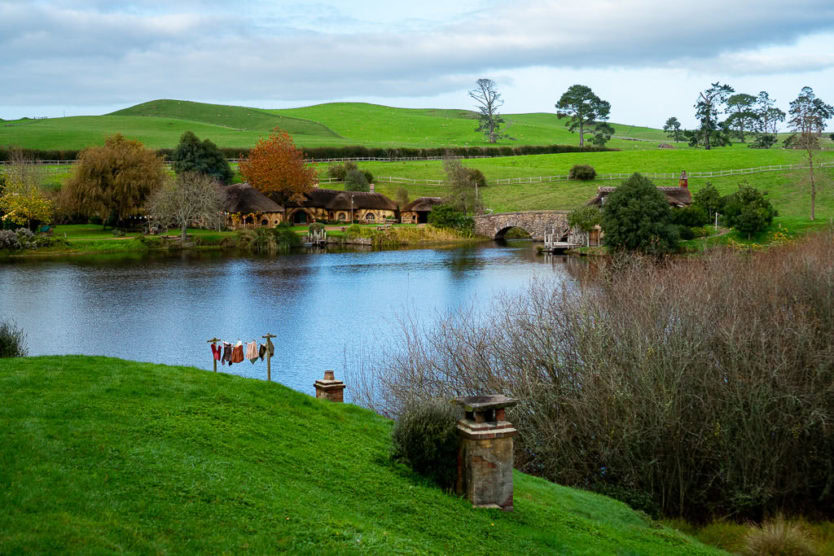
(558, 242)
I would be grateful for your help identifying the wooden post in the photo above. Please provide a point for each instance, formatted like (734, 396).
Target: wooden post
(268, 355)
(213, 360)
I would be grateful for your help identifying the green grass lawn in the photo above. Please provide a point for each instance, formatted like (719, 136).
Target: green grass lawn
(106, 455)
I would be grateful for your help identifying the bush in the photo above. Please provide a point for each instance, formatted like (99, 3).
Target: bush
(636, 217)
(425, 437)
(368, 176)
(684, 232)
(477, 177)
(355, 181)
(691, 216)
(447, 216)
(709, 200)
(354, 230)
(582, 172)
(279, 239)
(676, 380)
(336, 171)
(764, 141)
(585, 218)
(191, 155)
(748, 211)
(315, 227)
(12, 341)
(9, 240)
(779, 537)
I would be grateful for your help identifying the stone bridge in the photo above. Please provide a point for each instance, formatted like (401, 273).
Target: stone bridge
(534, 222)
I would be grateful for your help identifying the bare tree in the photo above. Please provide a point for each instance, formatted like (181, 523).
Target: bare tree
(190, 199)
(489, 101)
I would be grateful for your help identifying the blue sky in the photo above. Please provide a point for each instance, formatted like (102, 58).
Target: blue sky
(648, 58)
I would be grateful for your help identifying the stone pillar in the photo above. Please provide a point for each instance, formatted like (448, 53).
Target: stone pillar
(485, 455)
(329, 388)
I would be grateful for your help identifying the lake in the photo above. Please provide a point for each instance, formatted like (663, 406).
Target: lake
(322, 307)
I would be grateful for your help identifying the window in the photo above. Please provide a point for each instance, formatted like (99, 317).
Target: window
(370, 216)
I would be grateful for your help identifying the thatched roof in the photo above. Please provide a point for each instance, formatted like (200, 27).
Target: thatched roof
(677, 196)
(422, 204)
(331, 199)
(245, 199)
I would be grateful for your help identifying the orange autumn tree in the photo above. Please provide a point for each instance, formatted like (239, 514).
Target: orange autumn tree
(276, 168)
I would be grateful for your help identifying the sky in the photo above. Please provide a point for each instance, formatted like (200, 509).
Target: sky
(648, 58)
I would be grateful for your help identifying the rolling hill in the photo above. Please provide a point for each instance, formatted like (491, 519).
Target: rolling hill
(159, 124)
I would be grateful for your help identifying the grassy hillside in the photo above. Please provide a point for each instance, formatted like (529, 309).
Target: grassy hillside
(103, 455)
(160, 123)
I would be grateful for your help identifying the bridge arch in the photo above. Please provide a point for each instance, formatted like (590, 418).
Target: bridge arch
(500, 234)
(536, 222)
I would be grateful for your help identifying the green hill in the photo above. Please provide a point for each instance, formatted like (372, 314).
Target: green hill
(106, 455)
(160, 123)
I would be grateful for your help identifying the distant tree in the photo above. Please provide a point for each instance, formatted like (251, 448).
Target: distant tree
(707, 109)
(114, 181)
(190, 199)
(402, 197)
(21, 199)
(585, 111)
(748, 211)
(672, 127)
(808, 116)
(585, 218)
(489, 101)
(767, 115)
(276, 168)
(636, 217)
(355, 180)
(709, 199)
(463, 194)
(742, 117)
(204, 157)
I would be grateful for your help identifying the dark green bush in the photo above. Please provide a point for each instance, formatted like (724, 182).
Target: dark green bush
(477, 177)
(447, 216)
(368, 176)
(636, 217)
(748, 211)
(582, 172)
(192, 155)
(12, 340)
(764, 141)
(637, 499)
(691, 216)
(684, 232)
(425, 437)
(708, 199)
(337, 171)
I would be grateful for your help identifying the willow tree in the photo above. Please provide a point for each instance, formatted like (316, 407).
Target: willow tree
(114, 181)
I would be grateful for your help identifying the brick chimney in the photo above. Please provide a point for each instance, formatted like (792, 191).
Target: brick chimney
(329, 388)
(485, 453)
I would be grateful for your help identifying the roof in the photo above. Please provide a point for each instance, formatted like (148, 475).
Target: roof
(332, 199)
(422, 204)
(677, 196)
(243, 198)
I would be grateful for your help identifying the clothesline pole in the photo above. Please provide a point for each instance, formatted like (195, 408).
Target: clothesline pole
(213, 360)
(268, 356)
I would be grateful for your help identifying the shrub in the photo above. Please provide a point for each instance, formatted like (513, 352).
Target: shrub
(336, 171)
(585, 218)
(12, 341)
(779, 537)
(425, 437)
(9, 240)
(477, 177)
(354, 230)
(764, 141)
(656, 379)
(636, 217)
(355, 181)
(748, 211)
(368, 176)
(691, 216)
(708, 199)
(316, 227)
(684, 232)
(447, 216)
(582, 172)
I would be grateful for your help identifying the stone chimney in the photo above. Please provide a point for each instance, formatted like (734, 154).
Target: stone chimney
(371, 186)
(329, 388)
(684, 180)
(485, 454)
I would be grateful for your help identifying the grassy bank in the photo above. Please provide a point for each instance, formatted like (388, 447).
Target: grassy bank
(102, 454)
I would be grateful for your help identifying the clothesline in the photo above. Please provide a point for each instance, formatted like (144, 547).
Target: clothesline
(229, 353)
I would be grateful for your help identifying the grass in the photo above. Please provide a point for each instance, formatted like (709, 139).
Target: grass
(160, 123)
(104, 455)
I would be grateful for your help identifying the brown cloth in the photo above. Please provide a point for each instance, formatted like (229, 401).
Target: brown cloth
(237, 354)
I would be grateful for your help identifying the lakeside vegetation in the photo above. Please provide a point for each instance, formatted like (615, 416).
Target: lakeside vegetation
(179, 459)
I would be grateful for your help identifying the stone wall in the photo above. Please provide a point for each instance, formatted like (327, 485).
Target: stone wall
(536, 223)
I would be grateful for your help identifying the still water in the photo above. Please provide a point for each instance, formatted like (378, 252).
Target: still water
(323, 307)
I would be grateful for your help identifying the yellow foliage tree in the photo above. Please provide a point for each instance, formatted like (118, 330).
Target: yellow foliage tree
(21, 200)
(275, 167)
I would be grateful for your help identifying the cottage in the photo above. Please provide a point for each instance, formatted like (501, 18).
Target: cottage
(341, 206)
(417, 211)
(246, 207)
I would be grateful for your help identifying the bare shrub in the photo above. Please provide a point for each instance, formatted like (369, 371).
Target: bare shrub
(706, 383)
(779, 537)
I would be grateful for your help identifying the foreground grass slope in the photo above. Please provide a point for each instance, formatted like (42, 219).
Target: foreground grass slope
(100, 454)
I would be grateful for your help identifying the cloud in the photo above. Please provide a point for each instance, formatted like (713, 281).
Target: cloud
(94, 53)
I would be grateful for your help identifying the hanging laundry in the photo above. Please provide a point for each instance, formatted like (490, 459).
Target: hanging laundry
(270, 347)
(252, 351)
(237, 352)
(227, 353)
(215, 351)
(261, 351)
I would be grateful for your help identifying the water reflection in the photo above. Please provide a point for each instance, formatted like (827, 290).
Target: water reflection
(164, 308)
